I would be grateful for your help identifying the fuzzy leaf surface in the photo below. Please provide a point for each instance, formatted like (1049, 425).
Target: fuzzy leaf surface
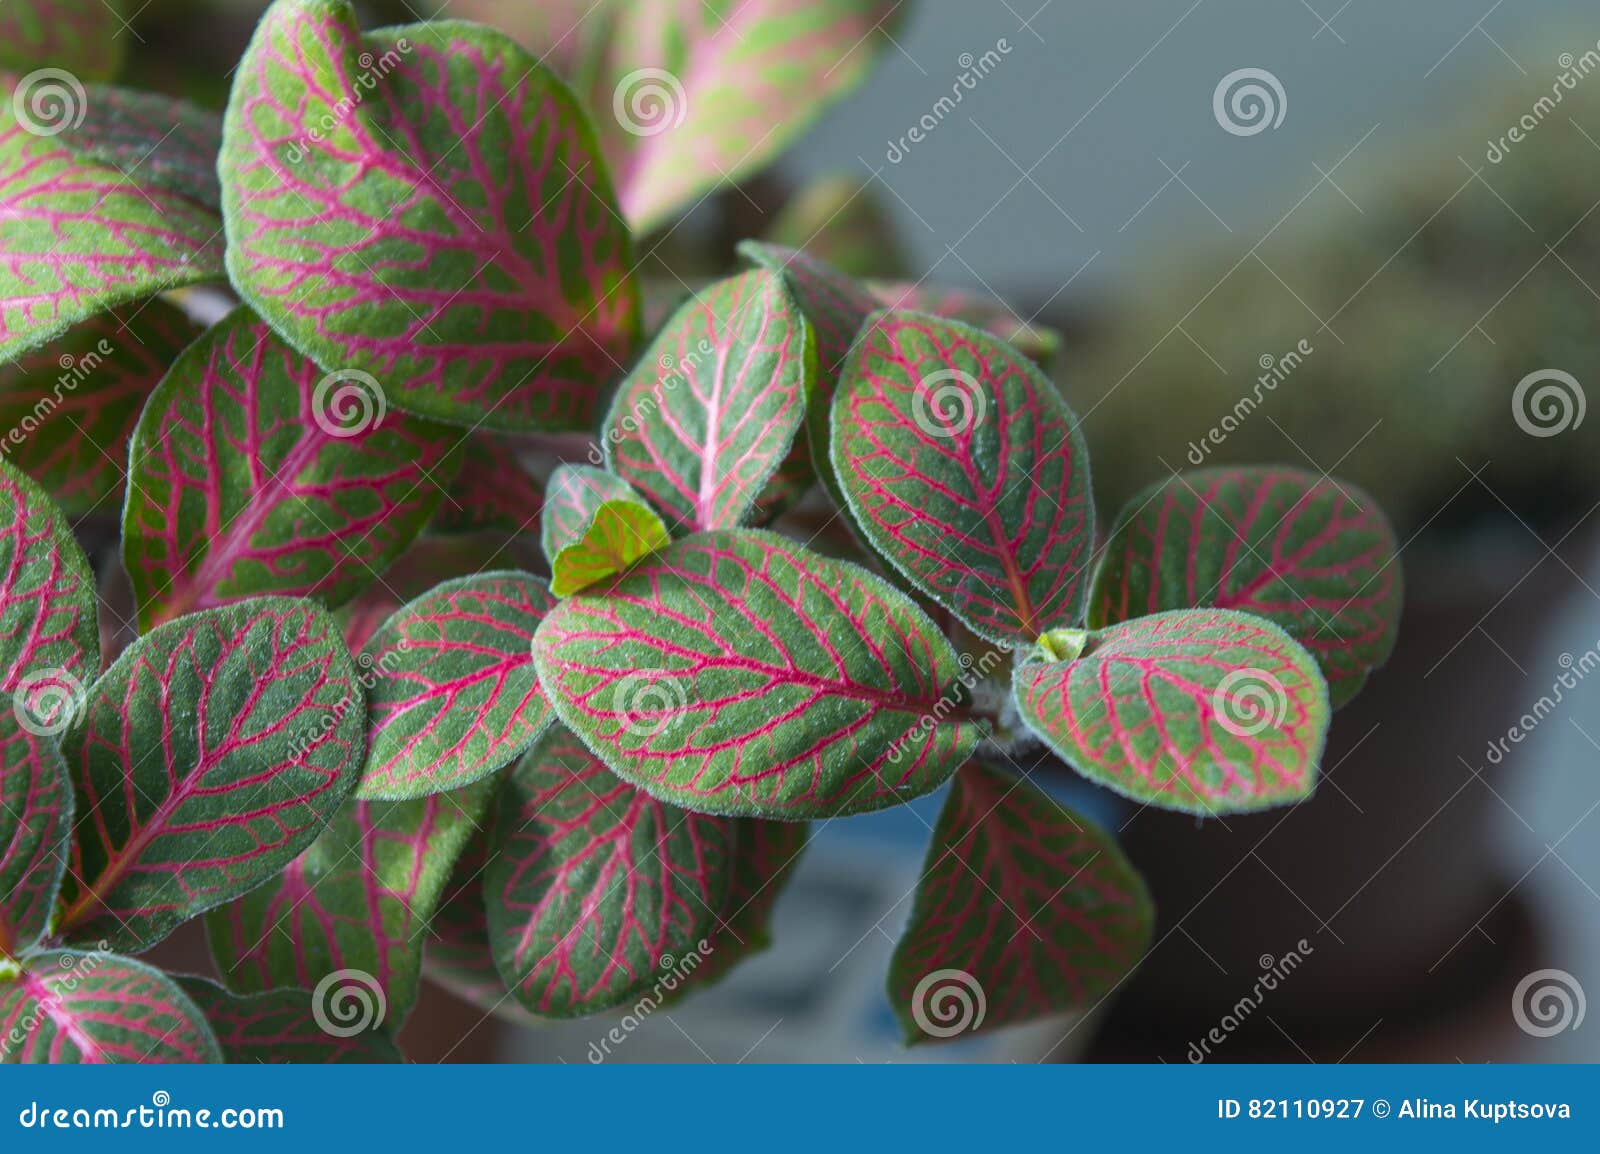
(1035, 905)
(35, 834)
(253, 472)
(621, 533)
(962, 465)
(208, 756)
(994, 316)
(449, 230)
(1207, 711)
(278, 1027)
(452, 694)
(736, 672)
(1310, 554)
(597, 891)
(576, 493)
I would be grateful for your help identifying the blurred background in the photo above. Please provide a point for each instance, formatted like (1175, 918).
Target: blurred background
(1413, 203)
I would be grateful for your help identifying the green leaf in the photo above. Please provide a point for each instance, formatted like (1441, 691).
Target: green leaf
(963, 466)
(1036, 342)
(348, 919)
(82, 235)
(254, 472)
(427, 205)
(280, 1026)
(765, 854)
(458, 956)
(596, 891)
(575, 495)
(714, 404)
(1207, 711)
(1024, 909)
(1313, 555)
(93, 1008)
(702, 93)
(49, 641)
(153, 139)
(78, 36)
(210, 754)
(35, 835)
(736, 672)
(620, 534)
(70, 407)
(452, 695)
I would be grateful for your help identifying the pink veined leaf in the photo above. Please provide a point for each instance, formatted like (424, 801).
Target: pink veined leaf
(452, 695)
(35, 835)
(433, 213)
(97, 1008)
(1314, 555)
(576, 493)
(1025, 909)
(81, 236)
(962, 465)
(153, 139)
(49, 642)
(690, 95)
(279, 1026)
(208, 756)
(80, 36)
(254, 472)
(596, 891)
(714, 404)
(1036, 342)
(565, 34)
(71, 406)
(458, 956)
(492, 492)
(353, 910)
(736, 672)
(1208, 711)
(765, 854)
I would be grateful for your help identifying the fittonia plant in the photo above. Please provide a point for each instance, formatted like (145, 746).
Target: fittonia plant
(366, 746)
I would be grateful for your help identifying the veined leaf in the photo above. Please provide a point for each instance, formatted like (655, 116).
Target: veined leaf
(704, 93)
(35, 835)
(621, 533)
(208, 756)
(1313, 555)
(354, 908)
(714, 404)
(576, 493)
(565, 34)
(1208, 710)
(431, 212)
(280, 1026)
(79, 36)
(963, 466)
(736, 672)
(81, 236)
(49, 642)
(1036, 342)
(71, 406)
(596, 891)
(491, 492)
(452, 694)
(254, 472)
(1024, 909)
(765, 854)
(93, 1008)
(457, 955)
(153, 139)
